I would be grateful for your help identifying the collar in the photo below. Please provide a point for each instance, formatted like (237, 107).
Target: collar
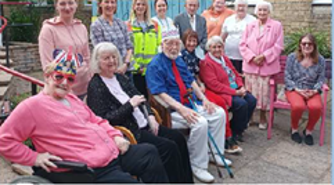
(189, 16)
(219, 61)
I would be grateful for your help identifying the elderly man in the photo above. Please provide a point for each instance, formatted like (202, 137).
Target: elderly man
(168, 77)
(62, 127)
(191, 20)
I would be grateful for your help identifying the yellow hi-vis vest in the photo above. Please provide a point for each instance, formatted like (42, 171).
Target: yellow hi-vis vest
(145, 44)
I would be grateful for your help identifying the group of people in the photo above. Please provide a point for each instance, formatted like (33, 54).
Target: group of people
(201, 66)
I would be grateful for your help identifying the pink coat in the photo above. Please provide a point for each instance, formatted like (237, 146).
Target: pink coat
(216, 79)
(269, 43)
(56, 35)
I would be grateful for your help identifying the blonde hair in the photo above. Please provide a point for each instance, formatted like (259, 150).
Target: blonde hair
(147, 14)
(100, 48)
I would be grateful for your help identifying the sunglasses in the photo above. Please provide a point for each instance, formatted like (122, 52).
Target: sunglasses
(59, 77)
(306, 43)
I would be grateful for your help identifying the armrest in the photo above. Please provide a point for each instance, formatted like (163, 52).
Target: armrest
(128, 134)
(76, 166)
(160, 101)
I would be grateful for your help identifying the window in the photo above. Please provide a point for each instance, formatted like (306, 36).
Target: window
(321, 2)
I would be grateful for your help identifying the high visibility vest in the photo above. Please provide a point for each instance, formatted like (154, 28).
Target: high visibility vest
(145, 44)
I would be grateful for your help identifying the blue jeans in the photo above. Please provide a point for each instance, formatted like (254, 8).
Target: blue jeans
(242, 109)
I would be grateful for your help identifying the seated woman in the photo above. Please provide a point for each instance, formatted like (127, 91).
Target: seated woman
(62, 127)
(220, 77)
(114, 98)
(304, 77)
(190, 42)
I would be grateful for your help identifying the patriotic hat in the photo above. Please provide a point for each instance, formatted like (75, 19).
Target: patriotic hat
(67, 62)
(172, 33)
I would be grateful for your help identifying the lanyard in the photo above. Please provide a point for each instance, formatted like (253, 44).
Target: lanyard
(160, 21)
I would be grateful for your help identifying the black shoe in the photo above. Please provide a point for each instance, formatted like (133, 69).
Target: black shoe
(308, 139)
(296, 137)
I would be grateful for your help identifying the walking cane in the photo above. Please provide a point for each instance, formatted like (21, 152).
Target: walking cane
(211, 138)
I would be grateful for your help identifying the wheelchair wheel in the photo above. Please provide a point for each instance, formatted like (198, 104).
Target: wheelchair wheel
(30, 179)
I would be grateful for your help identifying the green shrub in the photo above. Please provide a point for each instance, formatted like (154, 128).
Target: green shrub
(291, 41)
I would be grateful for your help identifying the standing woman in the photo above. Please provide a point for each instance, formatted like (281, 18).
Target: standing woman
(146, 38)
(63, 31)
(108, 28)
(261, 45)
(215, 17)
(164, 22)
(232, 31)
(304, 77)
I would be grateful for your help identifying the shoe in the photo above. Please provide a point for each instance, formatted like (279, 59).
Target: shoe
(202, 175)
(262, 126)
(219, 161)
(308, 139)
(231, 147)
(296, 137)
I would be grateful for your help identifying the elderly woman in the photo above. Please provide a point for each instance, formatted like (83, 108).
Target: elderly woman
(108, 28)
(260, 47)
(232, 31)
(114, 98)
(220, 77)
(190, 42)
(304, 77)
(146, 39)
(215, 17)
(61, 32)
(62, 127)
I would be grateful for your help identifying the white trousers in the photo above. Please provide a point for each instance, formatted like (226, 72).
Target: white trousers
(198, 138)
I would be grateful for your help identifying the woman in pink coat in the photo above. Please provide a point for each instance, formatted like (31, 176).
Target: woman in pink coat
(61, 32)
(260, 47)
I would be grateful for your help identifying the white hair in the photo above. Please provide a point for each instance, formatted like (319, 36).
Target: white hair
(214, 40)
(237, 2)
(268, 4)
(100, 48)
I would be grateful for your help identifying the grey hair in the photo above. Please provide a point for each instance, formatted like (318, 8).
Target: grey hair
(100, 48)
(213, 40)
(268, 4)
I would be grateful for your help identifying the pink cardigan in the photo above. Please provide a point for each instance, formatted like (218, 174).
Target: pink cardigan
(216, 79)
(269, 43)
(74, 133)
(56, 35)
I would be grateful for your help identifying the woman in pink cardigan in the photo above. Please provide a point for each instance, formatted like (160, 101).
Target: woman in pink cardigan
(61, 32)
(260, 47)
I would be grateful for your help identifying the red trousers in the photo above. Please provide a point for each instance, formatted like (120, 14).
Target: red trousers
(216, 99)
(299, 104)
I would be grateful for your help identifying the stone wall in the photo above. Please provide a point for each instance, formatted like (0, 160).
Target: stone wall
(25, 56)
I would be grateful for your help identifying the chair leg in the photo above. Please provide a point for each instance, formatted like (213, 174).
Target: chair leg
(271, 122)
(215, 161)
(323, 119)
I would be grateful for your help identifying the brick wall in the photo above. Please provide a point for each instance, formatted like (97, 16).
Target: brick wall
(25, 57)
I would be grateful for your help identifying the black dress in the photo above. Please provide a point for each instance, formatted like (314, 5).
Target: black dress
(171, 144)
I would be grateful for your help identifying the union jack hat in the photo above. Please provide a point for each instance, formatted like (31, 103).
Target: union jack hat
(67, 62)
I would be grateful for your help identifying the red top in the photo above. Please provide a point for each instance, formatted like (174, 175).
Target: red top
(216, 79)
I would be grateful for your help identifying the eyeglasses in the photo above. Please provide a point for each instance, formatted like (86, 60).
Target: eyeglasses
(59, 77)
(306, 43)
(173, 43)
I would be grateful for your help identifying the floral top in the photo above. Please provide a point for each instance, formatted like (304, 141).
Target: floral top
(297, 76)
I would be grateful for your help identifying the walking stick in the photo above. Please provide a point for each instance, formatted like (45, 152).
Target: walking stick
(211, 138)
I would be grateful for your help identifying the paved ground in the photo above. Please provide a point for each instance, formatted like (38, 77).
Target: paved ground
(278, 160)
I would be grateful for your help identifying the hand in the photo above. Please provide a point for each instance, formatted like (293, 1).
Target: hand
(122, 144)
(311, 92)
(302, 92)
(209, 106)
(43, 160)
(154, 125)
(122, 69)
(243, 91)
(137, 100)
(188, 114)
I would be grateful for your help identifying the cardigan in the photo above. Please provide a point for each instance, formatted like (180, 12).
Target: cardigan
(103, 103)
(73, 133)
(216, 79)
